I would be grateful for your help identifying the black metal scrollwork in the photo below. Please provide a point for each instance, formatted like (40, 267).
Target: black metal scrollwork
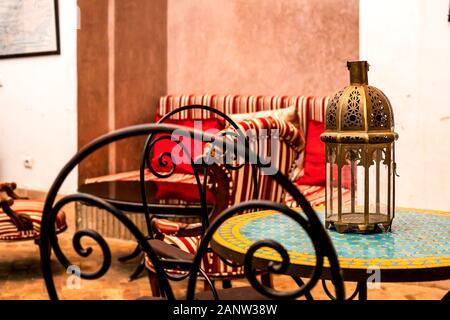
(163, 159)
(166, 160)
(205, 161)
(48, 237)
(150, 143)
(279, 268)
(312, 225)
(150, 138)
(76, 240)
(322, 247)
(308, 221)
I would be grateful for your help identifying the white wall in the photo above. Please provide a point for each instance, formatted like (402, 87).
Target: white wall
(38, 111)
(407, 44)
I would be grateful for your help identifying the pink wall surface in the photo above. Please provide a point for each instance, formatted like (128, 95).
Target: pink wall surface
(282, 47)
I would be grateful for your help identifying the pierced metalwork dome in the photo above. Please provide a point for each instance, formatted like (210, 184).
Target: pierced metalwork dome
(359, 113)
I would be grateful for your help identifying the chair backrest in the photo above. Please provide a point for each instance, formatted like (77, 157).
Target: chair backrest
(309, 222)
(308, 107)
(270, 138)
(209, 173)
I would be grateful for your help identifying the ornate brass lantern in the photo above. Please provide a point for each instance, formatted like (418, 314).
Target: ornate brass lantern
(360, 167)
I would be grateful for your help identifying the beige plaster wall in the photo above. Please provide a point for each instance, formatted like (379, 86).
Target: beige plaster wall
(261, 46)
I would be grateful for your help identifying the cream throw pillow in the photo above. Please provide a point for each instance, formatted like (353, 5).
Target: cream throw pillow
(289, 114)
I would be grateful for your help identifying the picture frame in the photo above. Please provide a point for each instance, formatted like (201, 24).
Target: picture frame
(29, 28)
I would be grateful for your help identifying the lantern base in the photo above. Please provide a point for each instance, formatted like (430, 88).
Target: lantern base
(354, 223)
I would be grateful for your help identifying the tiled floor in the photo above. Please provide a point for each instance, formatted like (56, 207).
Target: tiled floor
(20, 277)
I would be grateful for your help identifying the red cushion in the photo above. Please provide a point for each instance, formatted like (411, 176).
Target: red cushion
(314, 165)
(195, 147)
(182, 191)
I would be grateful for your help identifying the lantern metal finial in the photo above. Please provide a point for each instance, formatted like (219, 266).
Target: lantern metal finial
(359, 137)
(358, 72)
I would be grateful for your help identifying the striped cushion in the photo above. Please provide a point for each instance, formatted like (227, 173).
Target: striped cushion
(211, 262)
(309, 107)
(291, 143)
(172, 228)
(8, 230)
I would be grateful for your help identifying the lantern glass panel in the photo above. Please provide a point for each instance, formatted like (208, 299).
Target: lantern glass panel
(378, 179)
(332, 182)
(349, 179)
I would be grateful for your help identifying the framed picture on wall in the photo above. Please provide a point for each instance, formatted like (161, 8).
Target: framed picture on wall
(29, 28)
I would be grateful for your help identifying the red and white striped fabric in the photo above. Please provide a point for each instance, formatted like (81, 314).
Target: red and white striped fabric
(211, 264)
(172, 228)
(309, 107)
(290, 143)
(8, 230)
(187, 244)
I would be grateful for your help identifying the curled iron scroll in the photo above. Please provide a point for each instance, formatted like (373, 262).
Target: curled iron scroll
(320, 247)
(48, 241)
(164, 158)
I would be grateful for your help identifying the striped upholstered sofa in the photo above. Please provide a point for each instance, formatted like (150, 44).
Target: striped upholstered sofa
(241, 187)
(308, 109)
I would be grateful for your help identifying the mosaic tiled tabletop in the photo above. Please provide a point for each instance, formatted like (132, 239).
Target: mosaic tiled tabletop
(418, 239)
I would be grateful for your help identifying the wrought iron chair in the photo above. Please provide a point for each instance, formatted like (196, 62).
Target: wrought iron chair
(245, 181)
(187, 235)
(164, 256)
